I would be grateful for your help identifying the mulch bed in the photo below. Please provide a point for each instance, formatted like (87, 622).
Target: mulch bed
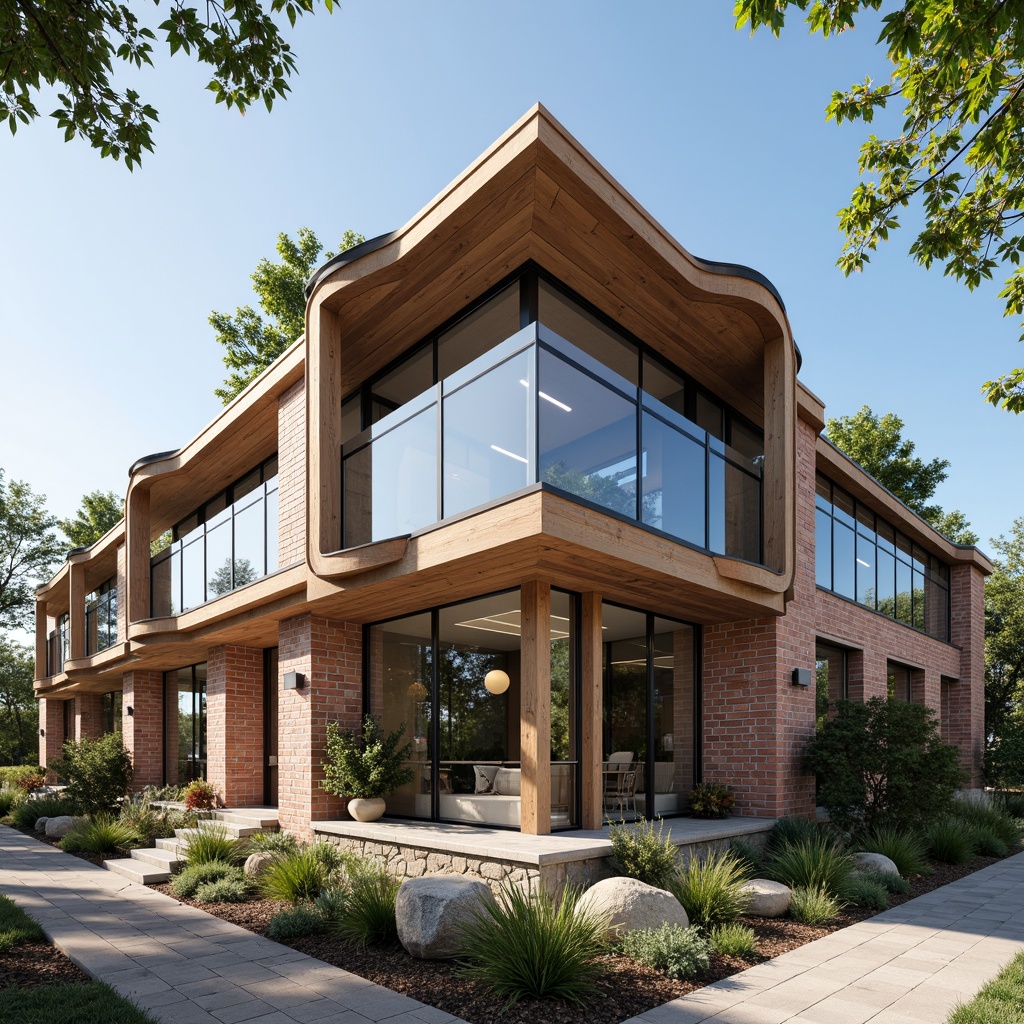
(37, 963)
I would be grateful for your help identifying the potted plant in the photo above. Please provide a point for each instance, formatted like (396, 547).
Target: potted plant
(366, 768)
(711, 800)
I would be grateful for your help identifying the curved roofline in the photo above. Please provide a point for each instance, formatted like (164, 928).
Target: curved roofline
(346, 257)
(148, 460)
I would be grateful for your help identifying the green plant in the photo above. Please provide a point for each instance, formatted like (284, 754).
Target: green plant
(1011, 803)
(870, 893)
(672, 949)
(367, 765)
(26, 814)
(788, 832)
(711, 800)
(643, 852)
(100, 834)
(891, 883)
(31, 781)
(212, 842)
(748, 855)
(9, 798)
(152, 823)
(711, 891)
(271, 842)
(233, 888)
(94, 1003)
(98, 772)
(811, 905)
(174, 794)
(882, 763)
(950, 840)
(11, 773)
(525, 945)
(200, 795)
(992, 819)
(733, 940)
(298, 874)
(368, 917)
(294, 923)
(998, 1002)
(187, 881)
(331, 903)
(987, 843)
(817, 863)
(907, 850)
(16, 927)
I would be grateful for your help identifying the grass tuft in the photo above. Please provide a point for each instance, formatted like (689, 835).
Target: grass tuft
(951, 840)
(95, 1003)
(213, 843)
(232, 888)
(25, 815)
(301, 873)
(733, 940)
(999, 1001)
(813, 906)
(789, 832)
(185, 884)
(294, 923)
(907, 850)
(367, 915)
(101, 834)
(867, 892)
(817, 863)
(16, 927)
(711, 891)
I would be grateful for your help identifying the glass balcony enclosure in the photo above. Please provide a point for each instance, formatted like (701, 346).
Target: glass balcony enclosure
(101, 618)
(536, 408)
(225, 544)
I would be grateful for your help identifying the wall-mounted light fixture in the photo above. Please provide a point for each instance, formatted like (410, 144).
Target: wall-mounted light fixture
(294, 681)
(801, 677)
(131, 711)
(42, 732)
(496, 681)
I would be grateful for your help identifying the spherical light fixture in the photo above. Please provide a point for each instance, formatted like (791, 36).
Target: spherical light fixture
(496, 681)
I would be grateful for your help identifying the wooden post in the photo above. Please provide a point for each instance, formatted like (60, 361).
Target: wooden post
(535, 708)
(591, 712)
(76, 611)
(42, 622)
(137, 539)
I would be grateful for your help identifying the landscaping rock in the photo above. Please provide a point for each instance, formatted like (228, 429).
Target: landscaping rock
(59, 827)
(257, 863)
(432, 913)
(767, 898)
(874, 862)
(40, 825)
(630, 904)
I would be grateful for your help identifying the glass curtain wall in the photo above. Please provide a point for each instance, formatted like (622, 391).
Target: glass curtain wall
(464, 661)
(649, 720)
(101, 618)
(185, 725)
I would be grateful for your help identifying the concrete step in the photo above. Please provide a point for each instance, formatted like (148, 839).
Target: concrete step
(231, 829)
(137, 871)
(166, 860)
(260, 818)
(172, 845)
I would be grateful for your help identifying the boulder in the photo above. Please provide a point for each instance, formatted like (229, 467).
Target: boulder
(874, 862)
(767, 898)
(629, 904)
(59, 827)
(257, 863)
(40, 825)
(432, 913)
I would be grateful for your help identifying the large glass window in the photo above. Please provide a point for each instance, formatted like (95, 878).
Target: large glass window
(831, 676)
(111, 707)
(899, 682)
(862, 557)
(227, 543)
(185, 725)
(101, 618)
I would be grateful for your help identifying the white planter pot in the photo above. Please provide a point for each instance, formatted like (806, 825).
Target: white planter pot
(366, 808)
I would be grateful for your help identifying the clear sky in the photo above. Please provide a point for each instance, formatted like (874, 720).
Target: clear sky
(108, 277)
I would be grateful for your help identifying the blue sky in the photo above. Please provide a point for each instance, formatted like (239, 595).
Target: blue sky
(108, 277)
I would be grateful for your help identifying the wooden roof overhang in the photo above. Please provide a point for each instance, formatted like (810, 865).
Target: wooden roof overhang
(536, 194)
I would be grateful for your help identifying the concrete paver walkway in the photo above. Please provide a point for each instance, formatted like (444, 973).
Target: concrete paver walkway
(906, 966)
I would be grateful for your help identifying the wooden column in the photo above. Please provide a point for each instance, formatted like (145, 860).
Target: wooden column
(592, 689)
(535, 708)
(780, 455)
(76, 611)
(137, 540)
(42, 624)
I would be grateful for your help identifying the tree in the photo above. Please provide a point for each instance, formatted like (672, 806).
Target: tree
(29, 548)
(73, 48)
(19, 710)
(101, 511)
(253, 343)
(957, 69)
(877, 444)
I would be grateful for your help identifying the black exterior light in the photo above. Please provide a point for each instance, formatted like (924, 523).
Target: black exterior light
(802, 677)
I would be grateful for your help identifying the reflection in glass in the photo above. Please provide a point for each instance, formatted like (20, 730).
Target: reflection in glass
(673, 481)
(823, 549)
(185, 747)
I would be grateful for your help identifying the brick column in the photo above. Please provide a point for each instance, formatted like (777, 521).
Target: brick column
(329, 656)
(88, 716)
(51, 731)
(966, 706)
(234, 724)
(142, 729)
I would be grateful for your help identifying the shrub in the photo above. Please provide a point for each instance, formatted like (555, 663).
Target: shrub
(711, 891)
(213, 843)
(1004, 758)
(950, 840)
(907, 850)
(331, 903)
(676, 951)
(788, 832)
(881, 763)
(152, 823)
(294, 923)
(295, 875)
(643, 852)
(31, 781)
(748, 855)
(28, 812)
(98, 772)
(271, 842)
(818, 863)
(525, 945)
(368, 917)
(888, 881)
(200, 795)
(367, 765)
(733, 940)
(811, 905)
(100, 834)
(710, 800)
(187, 881)
(233, 888)
(11, 773)
(9, 798)
(1009, 803)
(867, 892)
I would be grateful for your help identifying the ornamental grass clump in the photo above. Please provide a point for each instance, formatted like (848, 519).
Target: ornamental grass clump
(819, 863)
(711, 891)
(101, 834)
(9, 799)
(299, 874)
(367, 908)
(233, 888)
(907, 850)
(26, 814)
(813, 905)
(643, 852)
(749, 856)
(672, 949)
(866, 892)
(151, 823)
(212, 842)
(185, 884)
(528, 946)
(990, 820)
(950, 840)
(733, 940)
(789, 832)
(271, 842)
(295, 923)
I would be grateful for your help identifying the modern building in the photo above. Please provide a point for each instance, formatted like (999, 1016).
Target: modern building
(538, 486)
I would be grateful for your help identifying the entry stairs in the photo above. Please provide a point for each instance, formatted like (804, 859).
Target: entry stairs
(153, 866)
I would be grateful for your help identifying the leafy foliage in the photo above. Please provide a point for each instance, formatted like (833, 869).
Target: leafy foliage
(526, 945)
(711, 890)
(813, 906)
(98, 772)
(818, 863)
(642, 852)
(907, 850)
(368, 918)
(151, 823)
(100, 834)
(213, 843)
(271, 842)
(200, 795)
(711, 800)
(956, 68)
(9, 798)
(232, 888)
(882, 763)
(26, 814)
(100, 512)
(733, 940)
(295, 923)
(19, 709)
(370, 765)
(676, 951)
(79, 51)
(251, 342)
(185, 883)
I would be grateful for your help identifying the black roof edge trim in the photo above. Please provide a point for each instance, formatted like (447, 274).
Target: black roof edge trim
(77, 551)
(348, 256)
(148, 460)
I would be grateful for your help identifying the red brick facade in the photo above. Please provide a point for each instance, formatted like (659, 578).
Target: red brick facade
(234, 724)
(88, 716)
(142, 724)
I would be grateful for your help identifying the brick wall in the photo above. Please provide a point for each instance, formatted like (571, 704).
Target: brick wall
(291, 461)
(88, 715)
(143, 730)
(329, 656)
(234, 724)
(966, 698)
(51, 727)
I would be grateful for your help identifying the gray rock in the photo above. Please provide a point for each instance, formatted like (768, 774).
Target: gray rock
(767, 898)
(628, 904)
(432, 913)
(40, 825)
(257, 863)
(59, 827)
(874, 862)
